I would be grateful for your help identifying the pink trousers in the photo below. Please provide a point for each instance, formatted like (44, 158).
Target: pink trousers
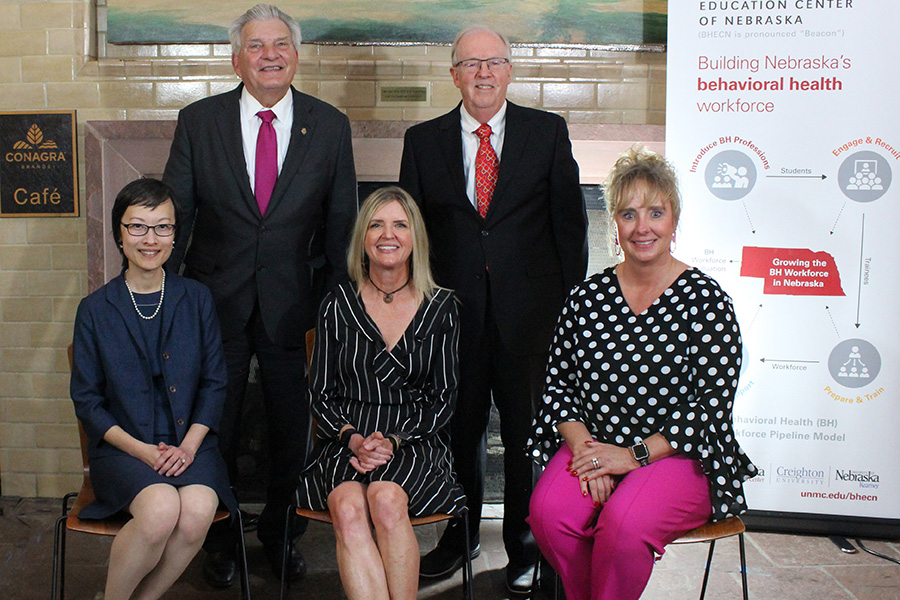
(607, 553)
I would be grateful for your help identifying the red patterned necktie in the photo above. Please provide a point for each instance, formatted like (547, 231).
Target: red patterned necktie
(266, 160)
(486, 166)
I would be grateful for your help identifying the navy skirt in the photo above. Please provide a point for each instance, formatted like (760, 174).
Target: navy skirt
(119, 477)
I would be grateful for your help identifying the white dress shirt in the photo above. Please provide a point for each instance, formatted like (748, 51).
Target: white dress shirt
(250, 123)
(468, 125)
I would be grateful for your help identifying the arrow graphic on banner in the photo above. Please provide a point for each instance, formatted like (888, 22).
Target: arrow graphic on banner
(840, 212)
(862, 244)
(831, 318)
(756, 314)
(749, 220)
(775, 360)
(822, 176)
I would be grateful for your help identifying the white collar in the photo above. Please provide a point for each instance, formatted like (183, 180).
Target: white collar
(250, 105)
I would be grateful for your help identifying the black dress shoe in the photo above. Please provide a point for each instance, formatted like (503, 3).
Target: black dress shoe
(220, 568)
(296, 567)
(441, 562)
(519, 580)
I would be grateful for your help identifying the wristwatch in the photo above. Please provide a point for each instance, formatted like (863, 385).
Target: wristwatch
(641, 453)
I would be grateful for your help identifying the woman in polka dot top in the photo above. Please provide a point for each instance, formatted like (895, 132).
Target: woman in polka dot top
(636, 429)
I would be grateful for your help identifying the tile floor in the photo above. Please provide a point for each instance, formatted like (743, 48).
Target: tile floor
(780, 567)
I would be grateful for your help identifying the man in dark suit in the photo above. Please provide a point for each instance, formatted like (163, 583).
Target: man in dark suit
(510, 269)
(268, 243)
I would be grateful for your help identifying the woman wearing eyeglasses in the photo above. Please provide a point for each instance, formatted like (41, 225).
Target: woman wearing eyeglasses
(148, 383)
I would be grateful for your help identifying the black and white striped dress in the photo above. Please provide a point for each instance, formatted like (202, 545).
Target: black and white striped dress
(410, 390)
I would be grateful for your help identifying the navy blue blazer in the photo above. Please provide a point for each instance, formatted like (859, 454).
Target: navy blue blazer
(111, 380)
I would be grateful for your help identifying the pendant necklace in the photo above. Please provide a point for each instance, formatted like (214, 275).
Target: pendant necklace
(162, 292)
(389, 296)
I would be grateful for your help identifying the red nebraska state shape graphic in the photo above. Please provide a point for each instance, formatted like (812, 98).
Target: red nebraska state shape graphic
(793, 271)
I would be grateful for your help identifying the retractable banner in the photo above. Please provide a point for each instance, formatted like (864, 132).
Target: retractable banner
(782, 120)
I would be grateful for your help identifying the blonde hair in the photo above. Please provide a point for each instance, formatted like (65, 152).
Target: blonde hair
(421, 279)
(637, 166)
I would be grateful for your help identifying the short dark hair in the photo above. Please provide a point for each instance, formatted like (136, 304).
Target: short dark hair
(146, 192)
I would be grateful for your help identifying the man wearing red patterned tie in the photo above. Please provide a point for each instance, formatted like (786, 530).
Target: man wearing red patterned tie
(265, 181)
(499, 190)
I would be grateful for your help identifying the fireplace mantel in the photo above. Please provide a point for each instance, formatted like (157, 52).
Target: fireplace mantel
(117, 152)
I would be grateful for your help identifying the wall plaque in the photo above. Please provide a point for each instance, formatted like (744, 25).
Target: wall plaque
(38, 166)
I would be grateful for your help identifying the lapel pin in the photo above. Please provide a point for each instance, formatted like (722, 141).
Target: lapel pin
(303, 130)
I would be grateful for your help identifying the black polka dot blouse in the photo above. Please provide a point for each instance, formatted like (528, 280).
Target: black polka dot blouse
(673, 369)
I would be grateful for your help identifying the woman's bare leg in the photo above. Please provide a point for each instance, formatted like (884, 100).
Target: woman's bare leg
(389, 510)
(198, 507)
(139, 545)
(359, 561)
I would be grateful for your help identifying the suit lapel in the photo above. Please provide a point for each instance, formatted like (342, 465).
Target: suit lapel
(228, 125)
(301, 132)
(515, 141)
(450, 142)
(117, 295)
(174, 294)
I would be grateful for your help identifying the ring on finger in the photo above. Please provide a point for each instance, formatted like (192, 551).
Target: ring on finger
(183, 461)
(596, 463)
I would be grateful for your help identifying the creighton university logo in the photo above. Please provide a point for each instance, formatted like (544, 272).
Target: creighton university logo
(38, 166)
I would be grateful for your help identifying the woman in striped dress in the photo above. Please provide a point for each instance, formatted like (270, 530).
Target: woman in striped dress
(383, 385)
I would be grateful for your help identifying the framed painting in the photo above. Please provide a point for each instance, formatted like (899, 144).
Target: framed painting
(537, 22)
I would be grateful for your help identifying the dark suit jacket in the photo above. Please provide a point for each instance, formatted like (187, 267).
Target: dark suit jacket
(286, 260)
(111, 379)
(533, 239)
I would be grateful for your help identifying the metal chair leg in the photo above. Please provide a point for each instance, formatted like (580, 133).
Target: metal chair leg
(709, 557)
(743, 567)
(285, 554)
(468, 588)
(59, 547)
(242, 556)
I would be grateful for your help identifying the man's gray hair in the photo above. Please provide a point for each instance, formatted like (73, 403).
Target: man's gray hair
(473, 28)
(262, 12)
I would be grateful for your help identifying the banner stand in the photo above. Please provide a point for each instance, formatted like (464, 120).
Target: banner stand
(781, 122)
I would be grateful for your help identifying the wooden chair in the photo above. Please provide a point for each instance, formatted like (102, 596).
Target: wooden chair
(710, 532)
(323, 516)
(70, 521)
(716, 530)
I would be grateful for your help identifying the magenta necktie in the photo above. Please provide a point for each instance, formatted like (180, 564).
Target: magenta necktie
(266, 160)
(486, 166)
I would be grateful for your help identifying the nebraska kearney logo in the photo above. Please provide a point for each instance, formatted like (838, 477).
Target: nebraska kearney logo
(865, 479)
(35, 150)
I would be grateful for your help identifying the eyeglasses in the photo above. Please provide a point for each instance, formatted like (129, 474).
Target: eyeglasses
(140, 229)
(473, 65)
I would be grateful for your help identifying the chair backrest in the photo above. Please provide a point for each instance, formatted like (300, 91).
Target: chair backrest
(310, 344)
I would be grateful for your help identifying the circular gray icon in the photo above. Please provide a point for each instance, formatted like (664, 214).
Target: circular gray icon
(730, 175)
(864, 176)
(854, 363)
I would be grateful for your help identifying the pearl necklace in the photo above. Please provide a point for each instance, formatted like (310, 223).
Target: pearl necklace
(162, 292)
